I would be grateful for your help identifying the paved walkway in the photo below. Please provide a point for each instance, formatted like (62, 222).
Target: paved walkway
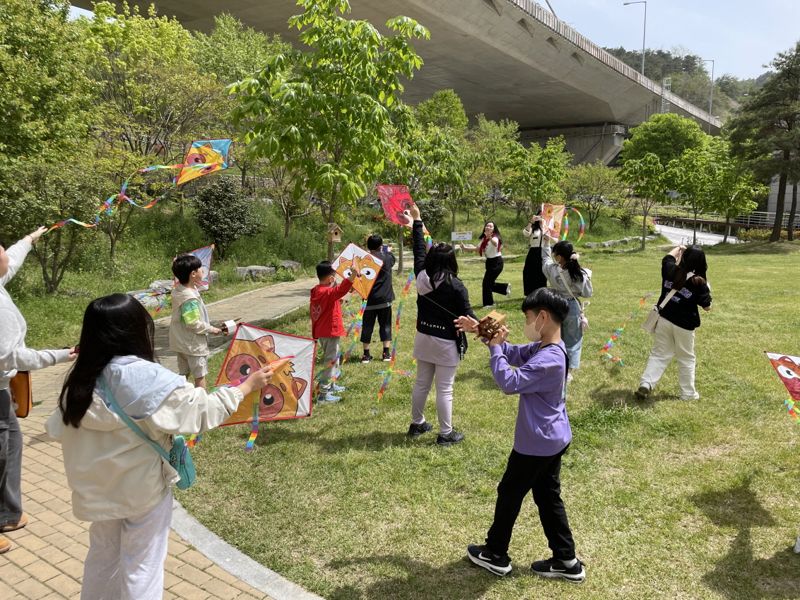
(47, 559)
(679, 235)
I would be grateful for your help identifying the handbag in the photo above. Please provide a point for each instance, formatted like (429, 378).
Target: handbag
(21, 395)
(178, 457)
(654, 315)
(584, 320)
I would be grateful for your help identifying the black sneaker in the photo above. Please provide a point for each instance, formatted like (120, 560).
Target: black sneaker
(494, 563)
(451, 438)
(366, 358)
(387, 355)
(642, 393)
(554, 568)
(415, 430)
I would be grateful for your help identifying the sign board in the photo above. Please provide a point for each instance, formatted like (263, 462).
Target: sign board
(460, 236)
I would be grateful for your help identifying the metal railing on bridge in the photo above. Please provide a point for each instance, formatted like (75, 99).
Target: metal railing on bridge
(758, 219)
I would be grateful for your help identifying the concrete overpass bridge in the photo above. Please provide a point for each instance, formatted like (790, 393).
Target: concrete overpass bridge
(507, 59)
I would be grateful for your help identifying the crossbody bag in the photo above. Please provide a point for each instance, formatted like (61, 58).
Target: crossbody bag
(178, 457)
(581, 305)
(654, 315)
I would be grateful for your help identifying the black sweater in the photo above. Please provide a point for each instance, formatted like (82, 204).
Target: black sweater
(382, 292)
(681, 310)
(436, 310)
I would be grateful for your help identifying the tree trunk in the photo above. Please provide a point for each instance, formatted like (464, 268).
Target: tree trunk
(780, 205)
(792, 212)
(287, 223)
(644, 226)
(727, 229)
(243, 169)
(330, 240)
(694, 228)
(453, 212)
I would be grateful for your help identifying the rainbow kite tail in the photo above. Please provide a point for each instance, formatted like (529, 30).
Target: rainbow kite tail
(251, 441)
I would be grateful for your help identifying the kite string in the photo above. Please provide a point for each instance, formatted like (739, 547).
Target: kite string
(605, 351)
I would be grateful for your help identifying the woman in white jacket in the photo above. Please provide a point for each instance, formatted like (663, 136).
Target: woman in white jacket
(14, 356)
(118, 481)
(565, 274)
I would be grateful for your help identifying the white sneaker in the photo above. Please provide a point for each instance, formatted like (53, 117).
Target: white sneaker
(508, 289)
(569, 377)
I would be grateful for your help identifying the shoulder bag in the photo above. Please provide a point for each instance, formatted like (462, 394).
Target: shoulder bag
(654, 315)
(21, 395)
(178, 457)
(582, 305)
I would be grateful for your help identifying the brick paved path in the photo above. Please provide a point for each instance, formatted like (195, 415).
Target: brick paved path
(47, 559)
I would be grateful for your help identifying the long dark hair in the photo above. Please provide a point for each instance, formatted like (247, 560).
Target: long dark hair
(693, 260)
(565, 250)
(115, 325)
(440, 262)
(495, 233)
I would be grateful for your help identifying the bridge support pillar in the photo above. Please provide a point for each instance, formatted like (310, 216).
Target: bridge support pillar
(586, 143)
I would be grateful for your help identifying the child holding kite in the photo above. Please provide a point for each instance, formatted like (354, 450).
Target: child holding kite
(537, 372)
(438, 345)
(119, 482)
(327, 324)
(379, 302)
(683, 279)
(564, 273)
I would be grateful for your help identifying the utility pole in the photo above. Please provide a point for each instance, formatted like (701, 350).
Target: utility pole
(710, 92)
(644, 28)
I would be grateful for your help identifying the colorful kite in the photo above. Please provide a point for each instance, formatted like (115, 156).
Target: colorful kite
(552, 217)
(204, 254)
(388, 373)
(288, 394)
(396, 200)
(565, 224)
(367, 264)
(204, 157)
(788, 369)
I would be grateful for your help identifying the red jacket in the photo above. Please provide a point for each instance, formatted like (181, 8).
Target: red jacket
(326, 310)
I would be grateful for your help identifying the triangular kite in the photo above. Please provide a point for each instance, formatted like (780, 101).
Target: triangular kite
(367, 264)
(788, 369)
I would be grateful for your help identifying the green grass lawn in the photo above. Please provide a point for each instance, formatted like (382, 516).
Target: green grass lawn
(667, 499)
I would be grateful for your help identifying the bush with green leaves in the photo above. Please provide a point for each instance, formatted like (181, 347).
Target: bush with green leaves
(225, 214)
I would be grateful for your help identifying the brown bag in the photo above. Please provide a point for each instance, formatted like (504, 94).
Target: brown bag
(21, 396)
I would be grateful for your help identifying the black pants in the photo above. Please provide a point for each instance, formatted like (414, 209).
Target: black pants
(532, 276)
(10, 462)
(494, 266)
(384, 316)
(540, 475)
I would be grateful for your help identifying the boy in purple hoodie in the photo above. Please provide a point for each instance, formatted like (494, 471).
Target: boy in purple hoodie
(541, 438)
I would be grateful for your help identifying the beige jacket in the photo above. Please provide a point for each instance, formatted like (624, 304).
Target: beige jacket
(112, 472)
(185, 339)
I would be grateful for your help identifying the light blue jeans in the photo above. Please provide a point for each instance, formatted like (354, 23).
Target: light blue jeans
(572, 335)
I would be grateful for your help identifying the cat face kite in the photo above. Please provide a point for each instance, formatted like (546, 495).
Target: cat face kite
(788, 369)
(368, 267)
(204, 157)
(288, 394)
(396, 200)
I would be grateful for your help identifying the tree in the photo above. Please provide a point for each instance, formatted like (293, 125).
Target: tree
(537, 174)
(443, 109)
(691, 176)
(325, 113)
(153, 96)
(593, 186)
(44, 92)
(492, 147)
(647, 177)
(766, 131)
(665, 135)
(225, 215)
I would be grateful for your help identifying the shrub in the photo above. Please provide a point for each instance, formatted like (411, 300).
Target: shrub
(225, 214)
(759, 235)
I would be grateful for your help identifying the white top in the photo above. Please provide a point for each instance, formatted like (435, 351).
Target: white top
(533, 235)
(491, 250)
(113, 473)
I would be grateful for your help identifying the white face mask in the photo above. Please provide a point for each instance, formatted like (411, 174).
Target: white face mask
(533, 334)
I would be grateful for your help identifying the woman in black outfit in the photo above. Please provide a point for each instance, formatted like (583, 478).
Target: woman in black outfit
(532, 276)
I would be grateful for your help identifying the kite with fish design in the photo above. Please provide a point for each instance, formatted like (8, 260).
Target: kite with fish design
(788, 369)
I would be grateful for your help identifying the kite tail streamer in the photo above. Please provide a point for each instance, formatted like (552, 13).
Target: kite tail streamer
(251, 441)
(790, 408)
(387, 376)
(605, 351)
(565, 224)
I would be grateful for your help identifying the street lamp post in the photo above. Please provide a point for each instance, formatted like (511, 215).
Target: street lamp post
(710, 92)
(644, 28)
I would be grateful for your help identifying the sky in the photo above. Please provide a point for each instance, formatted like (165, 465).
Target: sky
(741, 36)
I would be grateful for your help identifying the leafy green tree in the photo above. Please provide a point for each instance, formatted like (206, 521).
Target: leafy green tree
(665, 135)
(443, 109)
(492, 149)
(444, 158)
(593, 187)
(325, 113)
(225, 214)
(153, 95)
(766, 131)
(537, 174)
(44, 92)
(648, 179)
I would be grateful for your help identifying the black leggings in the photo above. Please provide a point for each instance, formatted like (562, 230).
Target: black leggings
(494, 266)
(384, 316)
(532, 276)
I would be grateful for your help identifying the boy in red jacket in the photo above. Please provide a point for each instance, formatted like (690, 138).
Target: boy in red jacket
(327, 325)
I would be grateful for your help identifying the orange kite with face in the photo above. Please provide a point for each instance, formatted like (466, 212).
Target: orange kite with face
(280, 398)
(368, 267)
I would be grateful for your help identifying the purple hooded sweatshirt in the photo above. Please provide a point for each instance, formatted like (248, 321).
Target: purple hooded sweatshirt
(539, 379)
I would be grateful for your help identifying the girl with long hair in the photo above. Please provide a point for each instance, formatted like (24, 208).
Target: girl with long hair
(438, 345)
(491, 247)
(119, 482)
(532, 275)
(684, 270)
(564, 273)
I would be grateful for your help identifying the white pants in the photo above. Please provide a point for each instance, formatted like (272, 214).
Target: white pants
(444, 394)
(672, 341)
(126, 556)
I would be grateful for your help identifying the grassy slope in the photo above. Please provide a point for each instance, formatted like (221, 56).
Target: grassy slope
(667, 500)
